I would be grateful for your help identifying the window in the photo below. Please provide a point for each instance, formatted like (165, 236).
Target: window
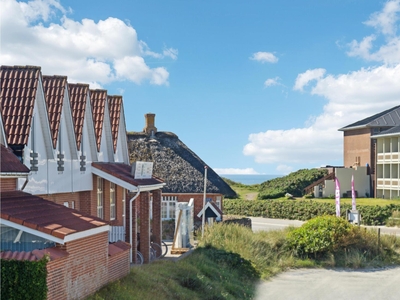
(218, 201)
(100, 197)
(112, 201)
(66, 204)
(168, 205)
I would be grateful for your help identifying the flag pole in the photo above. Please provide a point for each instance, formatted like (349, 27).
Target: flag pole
(337, 196)
(204, 201)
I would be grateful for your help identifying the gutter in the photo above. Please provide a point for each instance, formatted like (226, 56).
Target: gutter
(130, 219)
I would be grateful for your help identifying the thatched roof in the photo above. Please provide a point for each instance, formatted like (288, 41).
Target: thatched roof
(180, 168)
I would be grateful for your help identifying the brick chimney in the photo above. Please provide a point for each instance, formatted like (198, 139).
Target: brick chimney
(149, 128)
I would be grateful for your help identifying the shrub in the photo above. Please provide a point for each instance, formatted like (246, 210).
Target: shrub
(305, 210)
(294, 183)
(318, 236)
(24, 279)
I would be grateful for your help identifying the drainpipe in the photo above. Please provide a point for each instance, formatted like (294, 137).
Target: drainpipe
(25, 183)
(130, 217)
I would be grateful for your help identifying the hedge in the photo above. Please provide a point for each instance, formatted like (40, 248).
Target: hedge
(305, 209)
(24, 279)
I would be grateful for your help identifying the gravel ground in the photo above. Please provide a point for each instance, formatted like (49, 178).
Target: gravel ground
(333, 284)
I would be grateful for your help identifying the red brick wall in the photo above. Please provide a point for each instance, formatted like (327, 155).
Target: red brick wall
(157, 226)
(64, 197)
(144, 245)
(118, 265)
(86, 268)
(56, 279)
(85, 201)
(8, 184)
(357, 143)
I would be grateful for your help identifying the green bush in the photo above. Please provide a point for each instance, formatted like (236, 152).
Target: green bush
(24, 279)
(318, 236)
(305, 210)
(294, 184)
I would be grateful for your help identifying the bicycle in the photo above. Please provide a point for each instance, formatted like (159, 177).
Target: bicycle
(139, 258)
(156, 248)
(156, 251)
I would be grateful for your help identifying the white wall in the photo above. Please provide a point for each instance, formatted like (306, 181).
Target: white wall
(361, 182)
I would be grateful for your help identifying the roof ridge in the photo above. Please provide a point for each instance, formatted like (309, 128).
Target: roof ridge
(21, 67)
(55, 76)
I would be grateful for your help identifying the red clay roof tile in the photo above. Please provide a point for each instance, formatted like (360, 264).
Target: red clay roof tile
(77, 96)
(98, 102)
(115, 107)
(45, 216)
(18, 91)
(123, 172)
(54, 88)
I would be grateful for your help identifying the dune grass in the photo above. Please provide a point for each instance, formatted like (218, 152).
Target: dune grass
(230, 260)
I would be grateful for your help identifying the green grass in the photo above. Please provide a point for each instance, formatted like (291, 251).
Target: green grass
(361, 201)
(230, 260)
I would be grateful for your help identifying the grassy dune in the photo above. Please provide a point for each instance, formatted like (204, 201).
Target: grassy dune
(231, 259)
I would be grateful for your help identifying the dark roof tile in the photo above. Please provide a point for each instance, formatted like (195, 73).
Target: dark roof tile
(387, 118)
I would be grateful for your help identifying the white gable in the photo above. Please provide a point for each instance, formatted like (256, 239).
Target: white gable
(39, 148)
(122, 154)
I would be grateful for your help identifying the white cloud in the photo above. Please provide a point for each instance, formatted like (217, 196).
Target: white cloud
(284, 169)
(271, 82)
(85, 51)
(303, 79)
(385, 20)
(264, 57)
(351, 97)
(233, 171)
(385, 24)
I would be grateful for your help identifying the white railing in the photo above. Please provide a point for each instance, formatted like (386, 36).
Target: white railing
(116, 233)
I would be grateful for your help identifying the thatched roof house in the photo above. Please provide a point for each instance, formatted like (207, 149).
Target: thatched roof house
(180, 168)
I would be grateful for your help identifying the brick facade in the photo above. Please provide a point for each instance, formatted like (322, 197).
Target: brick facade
(357, 147)
(144, 245)
(8, 184)
(157, 225)
(73, 199)
(87, 268)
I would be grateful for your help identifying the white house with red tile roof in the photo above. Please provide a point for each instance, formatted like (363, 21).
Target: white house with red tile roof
(26, 124)
(102, 125)
(84, 135)
(60, 131)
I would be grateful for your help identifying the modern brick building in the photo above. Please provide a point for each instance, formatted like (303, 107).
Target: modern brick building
(359, 140)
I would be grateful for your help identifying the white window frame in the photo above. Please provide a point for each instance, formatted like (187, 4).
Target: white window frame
(218, 201)
(112, 201)
(100, 198)
(168, 207)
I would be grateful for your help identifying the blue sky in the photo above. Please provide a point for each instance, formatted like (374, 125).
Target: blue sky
(252, 87)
